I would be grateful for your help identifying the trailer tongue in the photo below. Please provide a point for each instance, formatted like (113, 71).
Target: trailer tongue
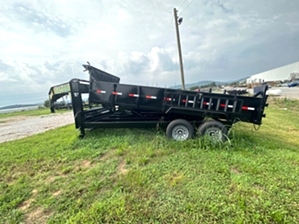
(179, 111)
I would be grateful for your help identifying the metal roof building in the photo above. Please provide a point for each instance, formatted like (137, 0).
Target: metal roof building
(288, 72)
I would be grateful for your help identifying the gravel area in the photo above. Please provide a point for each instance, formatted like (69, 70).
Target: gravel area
(20, 127)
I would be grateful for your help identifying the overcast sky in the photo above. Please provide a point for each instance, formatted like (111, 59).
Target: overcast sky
(44, 43)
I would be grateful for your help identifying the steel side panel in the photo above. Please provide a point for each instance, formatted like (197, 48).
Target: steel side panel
(121, 96)
(153, 98)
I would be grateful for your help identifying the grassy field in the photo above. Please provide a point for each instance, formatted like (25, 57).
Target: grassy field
(35, 112)
(139, 176)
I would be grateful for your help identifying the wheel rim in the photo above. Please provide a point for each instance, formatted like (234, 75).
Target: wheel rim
(214, 133)
(180, 133)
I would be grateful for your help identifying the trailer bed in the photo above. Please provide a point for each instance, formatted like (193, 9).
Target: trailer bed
(181, 112)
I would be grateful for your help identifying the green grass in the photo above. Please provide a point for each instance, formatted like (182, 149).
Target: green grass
(35, 112)
(139, 176)
(284, 103)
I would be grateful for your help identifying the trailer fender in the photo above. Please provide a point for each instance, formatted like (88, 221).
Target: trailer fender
(179, 130)
(213, 130)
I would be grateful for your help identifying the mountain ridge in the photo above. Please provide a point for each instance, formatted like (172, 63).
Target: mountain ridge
(206, 82)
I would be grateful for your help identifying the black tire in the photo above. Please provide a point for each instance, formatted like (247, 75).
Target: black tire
(179, 130)
(213, 130)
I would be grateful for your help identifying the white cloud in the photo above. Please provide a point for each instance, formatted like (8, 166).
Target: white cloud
(45, 42)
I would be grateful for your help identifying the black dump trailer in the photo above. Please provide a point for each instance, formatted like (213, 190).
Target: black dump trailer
(180, 112)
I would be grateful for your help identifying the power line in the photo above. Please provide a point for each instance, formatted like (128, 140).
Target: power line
(182, 4)
(186, 7)
(181, 13)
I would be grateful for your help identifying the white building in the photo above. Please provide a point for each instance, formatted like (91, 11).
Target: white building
(287, 72)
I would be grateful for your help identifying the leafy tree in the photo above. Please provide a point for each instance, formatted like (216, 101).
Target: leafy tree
(47, 103)
(213, 84)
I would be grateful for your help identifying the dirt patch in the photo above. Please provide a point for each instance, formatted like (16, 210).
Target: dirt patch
(26, 204)
(56, 193)
(107, 155)
(38, 215)
(235, 171)
(86, 164)
(121, 169)
(50, 179)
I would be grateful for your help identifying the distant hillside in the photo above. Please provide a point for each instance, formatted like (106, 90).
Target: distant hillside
(18, 106)
(240, 80)
(200, 83)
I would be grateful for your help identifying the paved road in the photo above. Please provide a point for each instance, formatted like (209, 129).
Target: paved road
(291, 93)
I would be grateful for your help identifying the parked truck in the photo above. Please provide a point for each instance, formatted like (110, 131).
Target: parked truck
(179, 112)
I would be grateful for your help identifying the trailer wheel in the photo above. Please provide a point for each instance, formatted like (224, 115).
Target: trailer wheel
(213, 130)
(179, 130)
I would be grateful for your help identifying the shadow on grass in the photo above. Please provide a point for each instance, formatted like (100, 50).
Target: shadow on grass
(122, 132)
(157, 138)
(242, 137)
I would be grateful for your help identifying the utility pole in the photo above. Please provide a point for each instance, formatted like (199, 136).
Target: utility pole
(177, 22)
